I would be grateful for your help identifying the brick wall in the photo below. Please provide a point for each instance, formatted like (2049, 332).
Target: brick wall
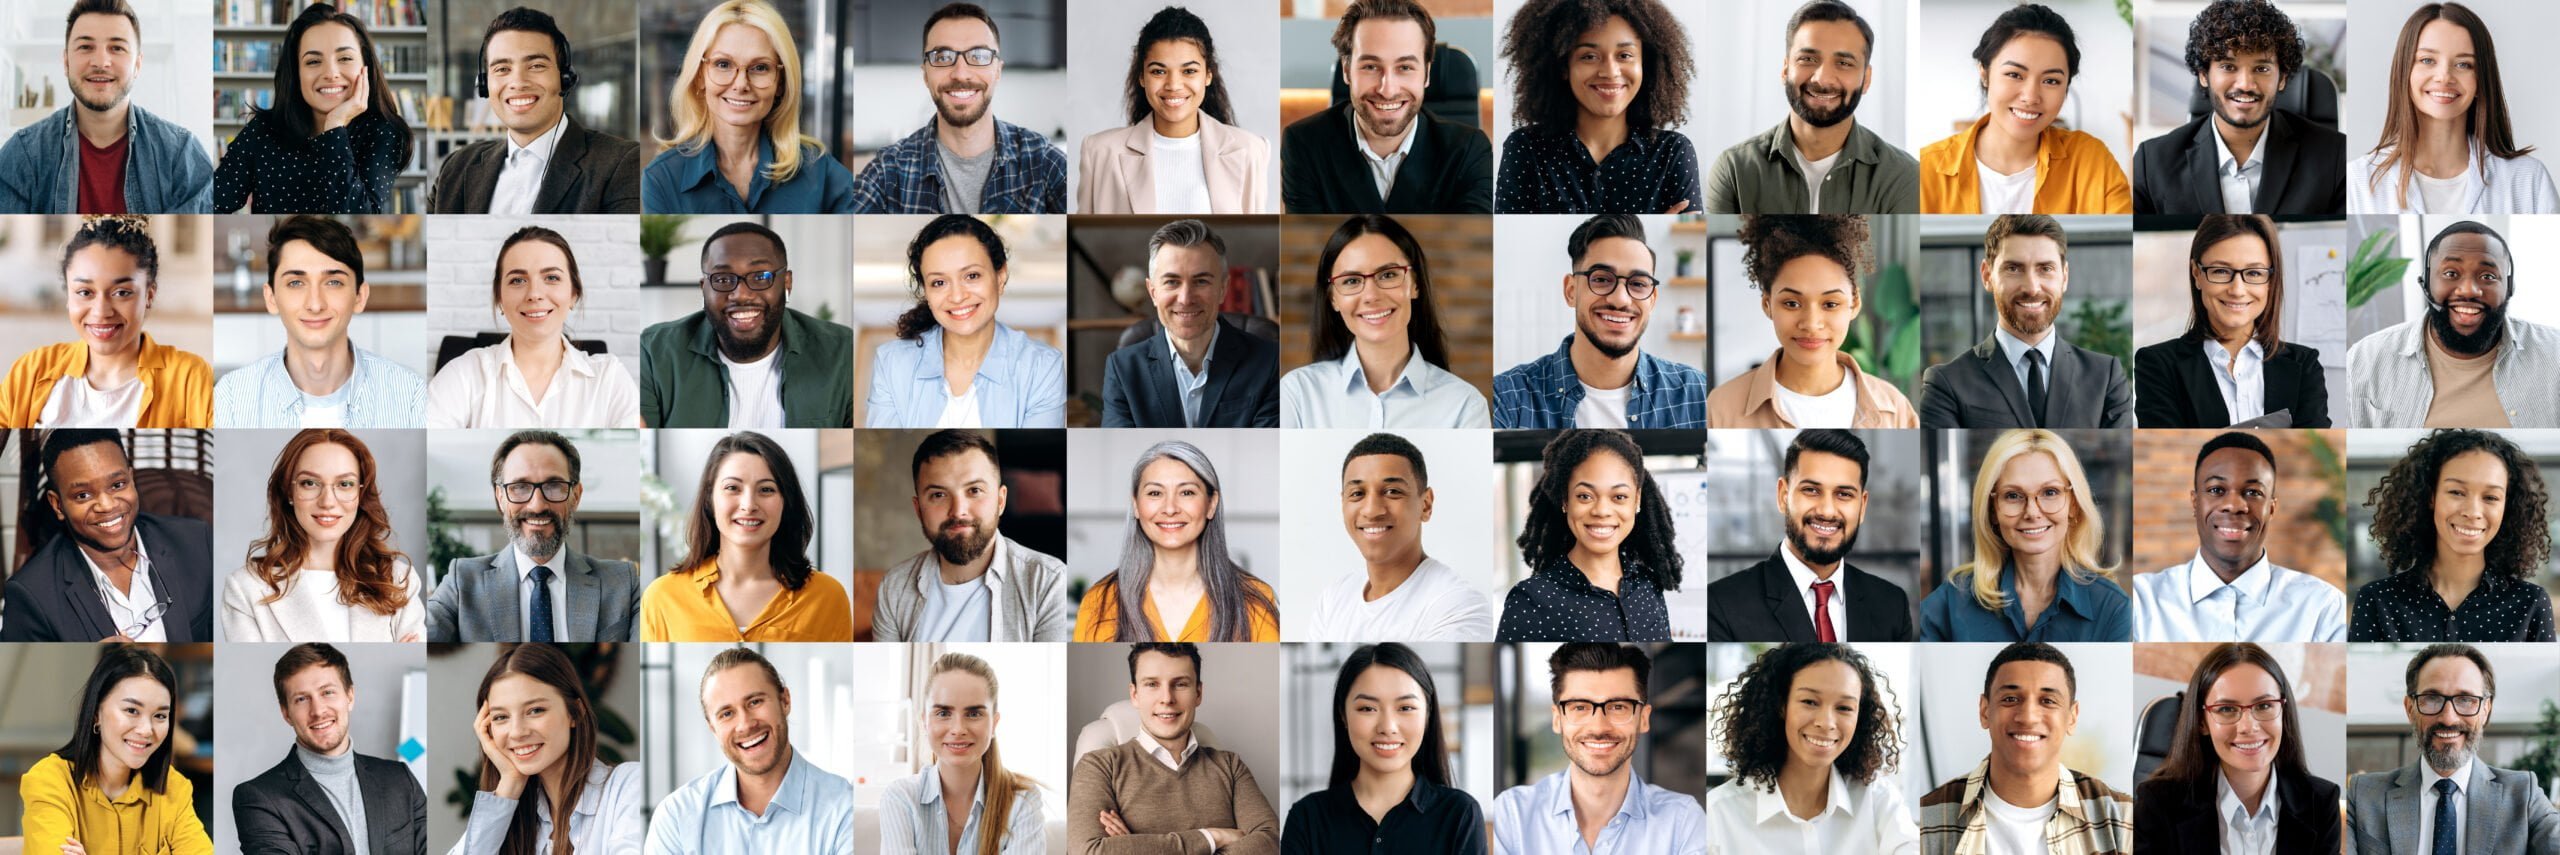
(1460, 250)
(2318, 672)
(2164, 529)
(462, 250)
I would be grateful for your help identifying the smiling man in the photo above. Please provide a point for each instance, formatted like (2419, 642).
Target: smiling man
(1164, 793)
(2465, 363)
(112, 573)
(1598, 804)
(2021, 799)
(103, 154)
(1600, 377)
(974, 584)
(1380, 151)
(324, 798)
(538, 588)
(1820, 160)
(2230, 591)
(321, 379)
(1405, 595)
(2450, 801)
(547, 163)
(767, 798)
(1197, 370)
(2025, 375)
(1809, 591)
(747, 360)
(964, 161)
(2244, 155)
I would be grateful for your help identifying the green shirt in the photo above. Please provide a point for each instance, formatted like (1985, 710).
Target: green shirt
(1760, 175)
(682, 383)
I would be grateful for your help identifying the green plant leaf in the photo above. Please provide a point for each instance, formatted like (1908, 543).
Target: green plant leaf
(1889, 297)
(1902, 363)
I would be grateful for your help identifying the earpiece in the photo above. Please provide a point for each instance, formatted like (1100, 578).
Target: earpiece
(568, 69)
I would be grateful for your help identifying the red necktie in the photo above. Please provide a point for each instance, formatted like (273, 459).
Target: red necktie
(1822, 612)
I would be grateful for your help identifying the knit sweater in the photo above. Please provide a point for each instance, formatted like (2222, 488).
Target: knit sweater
(337, 779)
(1164, 808)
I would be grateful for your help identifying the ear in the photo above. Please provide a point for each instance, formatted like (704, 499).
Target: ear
(269, 293)
(1426, 504)
(1215, 499)
(364, 296)
(1982, 710)
(1004, 495)
(1984, 273)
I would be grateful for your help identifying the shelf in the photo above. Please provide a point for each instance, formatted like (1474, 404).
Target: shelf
(279, 29)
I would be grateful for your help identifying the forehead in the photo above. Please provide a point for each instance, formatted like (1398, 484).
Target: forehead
(141, 688)
(735, 682)
(2444, 36)
(1156, 664)
(1827, 38)
(1381, 681)
(515, 689)
(2032, 677)
(1811, 274)
(2036, 51)
(331, 36)
(2243, 682)
(533, 255)
(103, 26)
(1604, 468)
(952, 252)
(511, 44)
(2239, 247)
(1391, 38)
(313, 678)
(327, 458)
(2246, 57)
(88, 461)
(1377, 467)
(2029, 249)
(740, 40)
(1824, 467)
(960, 466)
(2034, 467)
(1613, 31)
(2476, 466)
(2452, 675)
(535, 459)
(301, 255)
(1188, 260)
(1367, 252)
(1166, 470)
(959, 33)
(1599, 685)
(1623, 253)
(2236, 464)
(2471, 246)
(1828, 676)
(1173, 51)
(739, 247)
(744, 466)
(99, 260)
(963, 689)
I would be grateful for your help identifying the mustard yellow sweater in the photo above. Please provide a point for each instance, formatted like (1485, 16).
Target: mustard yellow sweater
(140, 822)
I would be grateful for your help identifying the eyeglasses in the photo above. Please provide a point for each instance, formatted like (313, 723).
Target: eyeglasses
(554, 490)
(722, 72)
(2223, 275)
(2430, 703)
(1618, 710)
(1603, 281)
(946, 57)
(307, 488)
(761, 280)
(143, 620)
(1390, 279)
(2050, 500)
(2263, 711)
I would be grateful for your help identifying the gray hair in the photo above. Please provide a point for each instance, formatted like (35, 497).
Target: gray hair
(1187, 233)
(1231, 599)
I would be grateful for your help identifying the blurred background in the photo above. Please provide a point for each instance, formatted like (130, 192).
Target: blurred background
(1677, 461)
(1532, 316)
(1035, 290)
(2309, 532)
(1947, 90)
(1462, 85)
(1101, 473)
(392, 326)
(2371, 453)
(1035, 512)
(1320, 551)
(878, 50)
(602, 47)
(463, 510)
(1673, 755)
(671, 467)
(1461, 677)
(461, 313)
(1107, 293)
(2317, 255)
(2317, 672)
(173, 474)
(612, 675)
(388, 719)
(1744, 467)
(34, 301)
(1241, 707)
(2522, 730)
(1743, 48)
(400, 477)
(1459, 249)
(40, 688)
(1031, 729)
(1103, 35)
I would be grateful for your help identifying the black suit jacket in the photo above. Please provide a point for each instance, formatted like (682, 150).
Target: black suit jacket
(1449, 171)
(2171, 817)
(1979, 389)
(52, 598)
(592, 172)
(284, 812)
(1762, 604)
(2174, 386)
(2305, 170)
(1139, 389)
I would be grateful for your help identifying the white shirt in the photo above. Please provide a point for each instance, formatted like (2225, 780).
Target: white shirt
(1837, 408)
(126, 608)
(962, 612)
(74, 404)
(1195, 387)
(1166, 756)
(311, 611)
(2461, 805)
(1382, 168)
(1856, 819)
(960, 411)
(2238, 181)
(2008, 829)
(1602, 408)
(2490, 185)
(2243, 383)
(1182, 182)
(2441, 194)
(324, 415)
(1815, 172)
(1336, 394)
(1803, 574)
(755, 392)
(1433, 604)
(2007, 194)
(2243, 833)
(483, 388)
(559, 594)
(2267, 603)
(520, 181)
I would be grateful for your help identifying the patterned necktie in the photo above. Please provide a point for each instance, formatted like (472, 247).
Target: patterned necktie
(2035, 385)
(541, 629)
(1822, 612)
(2444, 817)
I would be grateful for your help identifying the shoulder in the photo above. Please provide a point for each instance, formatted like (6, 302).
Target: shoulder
(50, 773)
(2168, 350)
(1673, 143)
(1465, 139)
(2163, 793)
(2078, 144)
(1941, 156)
(2522, 167)
(672, 333)
(44, 134)
(184, 528)
(1317, 128)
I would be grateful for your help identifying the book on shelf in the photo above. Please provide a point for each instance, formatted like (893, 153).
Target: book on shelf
(277, 13)
(259, 55)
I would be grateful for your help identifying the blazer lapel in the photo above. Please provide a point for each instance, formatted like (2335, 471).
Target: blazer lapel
(2200, 830)
(1222, 158)
(1161, 400)
(2400, 812)
(2062, 386)
(2204, 169)
(169, 579)
(2279, 144)
(583, 597)
(1867, 614)
(1137, 174)
(1996, 371)
(80, 594)
(2486, 800)
(309, 792)
(1778, 591)
(1223, 357)
(563, 174)
(2195, 373)
(2282, 383)
(502, 585)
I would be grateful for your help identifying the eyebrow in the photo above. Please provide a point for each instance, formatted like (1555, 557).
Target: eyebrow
(967, 707)
(2011, 63)
(502, 60)
(321, 474)
(1391, 479)
(1371, 57)
(2267, 697)
(1619, 485)
(325, 271)
(1626, 43)
(1364, 696)
(141, 703)
(552, 269)
(1790, 289)
(2019, 687)
(931, 485)
(117, 280)
(339, 49)
(1169, 484)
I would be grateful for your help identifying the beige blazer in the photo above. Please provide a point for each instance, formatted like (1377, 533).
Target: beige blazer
(1116, 178)
(1751, 400)
(311, 612)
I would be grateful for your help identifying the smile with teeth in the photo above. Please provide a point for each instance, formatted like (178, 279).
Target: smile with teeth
(2249, 747)
(2029, 738)
(112, 522)
(522, 103)
(748, 522)
(525, 751)
(1821, 743)
(963, 313)
(141, 747)
(755, 743)
(1601, 532)
(2442, 96)
(326, 520)
(2468, 531)
(1615, 318)
(2025, 116)
(2033, 530)
(1826, 528)
(963, 95)
(1387, 747)
(1609, 90)
(103, 330)
(1377, 317)
(738, 102)
(2231, 532)
(534, 314)
(1395, 106)
(1600, 744)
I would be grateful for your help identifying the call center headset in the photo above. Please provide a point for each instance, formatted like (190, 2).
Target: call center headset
(531, 21)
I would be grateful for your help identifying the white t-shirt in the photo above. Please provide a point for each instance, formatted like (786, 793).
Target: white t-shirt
(1837, 408)
(954, 612)
(2007, 194)
(755, 393)
(324, 415)
(960, 411)
(1433, 604)
(2442, 195)
(2013, 830)
(1601, 408)
(74, 404)
(1814, 172)
(1182, 182)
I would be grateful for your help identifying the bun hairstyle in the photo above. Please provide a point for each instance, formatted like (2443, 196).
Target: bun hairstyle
(130, 233)
(1769, 242)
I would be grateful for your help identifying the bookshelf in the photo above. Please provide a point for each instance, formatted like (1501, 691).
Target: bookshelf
(247, 34)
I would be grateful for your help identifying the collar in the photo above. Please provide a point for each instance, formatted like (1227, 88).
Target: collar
(2414, 343)
(1768, 804)
(2015, 348)
(1862, 146)
(572, 359)
(542, 146)
(524, 563)
(2234, 813)
(1413, 129)
(1008, 341)
(151, 359)
(2461, 777)
(1207, 355)
(2066, 792)
(278, 373)
(2222, 151)
(1162, 755)
(929, 789)
(788, 796)
(1563, 380)
(701, 165)
(2049, 149)
(2200, 581)
(2222, 355)
(2069, 589)
(1416, 375)
(1804, 577)
(141, 560)
(1634, 807)
(1762, 393)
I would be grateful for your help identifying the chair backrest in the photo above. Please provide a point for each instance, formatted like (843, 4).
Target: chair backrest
(1261, 327)
(2309, 94)
(2155, 734)
(457, 345)
(1120, 723)
(1453, 89)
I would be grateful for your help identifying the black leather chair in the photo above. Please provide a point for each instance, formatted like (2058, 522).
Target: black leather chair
(2155, 733)
(457, 345)
(1452, 92)
(2310, 94)
(1265, 328)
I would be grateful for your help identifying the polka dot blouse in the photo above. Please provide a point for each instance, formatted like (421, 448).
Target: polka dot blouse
(1546, 170)
(1558, 604)
(346, 171)
(2404, 607)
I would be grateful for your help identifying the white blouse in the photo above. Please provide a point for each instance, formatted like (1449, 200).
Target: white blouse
(483, 388)
(310, 610)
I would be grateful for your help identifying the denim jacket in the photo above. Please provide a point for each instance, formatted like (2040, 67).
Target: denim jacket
(1021, 384)
(166, 170)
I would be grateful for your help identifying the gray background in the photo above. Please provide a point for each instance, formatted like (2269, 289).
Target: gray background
(240, 502)
(255, 735)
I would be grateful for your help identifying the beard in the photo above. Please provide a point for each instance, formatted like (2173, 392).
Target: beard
(2493, 328)
(2444, 761)
(1805, 550)
(957, 117)
(962, 543)
(1370, 123)
(750, 346)
(2023, 322)
(1613, 350)
(2222, 100)
(541, 547)
(1820, 118)
(122, 92)
(1602, 766)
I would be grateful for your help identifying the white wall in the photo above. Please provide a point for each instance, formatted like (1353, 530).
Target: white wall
(240, 494)
(1946, 85)
(463, 250)
(1530, 314)
(1949, 684)
(1102, 32)
(254, 734)
(1098, 514)
(177, 53)
(1319, 551)
(2516, 27)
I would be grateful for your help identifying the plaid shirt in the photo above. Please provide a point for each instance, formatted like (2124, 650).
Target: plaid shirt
(1029, 176)
(1542, 393)
(2091, 818)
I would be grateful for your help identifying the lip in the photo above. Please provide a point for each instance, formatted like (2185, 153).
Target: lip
(1171, 103)
(1387, 748)
(1825, 528)
(2027, 740)
(2443, 96)
(2037, 530)
(1170, 526)
(1609, 91)
(1615, 319)
(1377, 318)
(2468, 532)
(327, 520)
(956, 748)
(139, 748)
(749, 523)
(1167, 717)
(1600, 745)
(1819, 743)
(753, 743)
(102, 332)
(2038, 304)
(525, 752)
(736, 102)
(964, 95)
(2237, 305)
(111, 523)
(2025, 117)
(2232, 533)
(745, 317)
(962, 313)
(315, 323)
(523, 103)
(536, 315)
(1601, 532)
(1388, 106)
(542, 523)
(2251, 749)
(331, 91)
(1375, 532)
(1810, 343)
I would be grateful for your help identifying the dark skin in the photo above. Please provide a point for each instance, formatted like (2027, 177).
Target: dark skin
(2234, 500)
(93, 493)
(743, 254)
(2469, 268)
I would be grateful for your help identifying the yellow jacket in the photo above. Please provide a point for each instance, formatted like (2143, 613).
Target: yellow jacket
(2075, 174)
(140, 822)
(177, 386)
(1098, 617)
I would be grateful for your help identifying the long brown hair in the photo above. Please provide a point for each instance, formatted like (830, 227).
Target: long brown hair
(552, 667)
(2215, 229)
(2191, 757)
(2487, 126)
(365, 560)
(789, 549)
(1002, 786)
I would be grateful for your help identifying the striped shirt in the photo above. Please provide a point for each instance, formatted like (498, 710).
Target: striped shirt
(1029, 176)
(2089, 819)
(1543, 392)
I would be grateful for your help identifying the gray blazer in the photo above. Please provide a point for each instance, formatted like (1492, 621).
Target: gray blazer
(477, 599)
(1979, 389)
(2382, 813)
(2390, 386)
(1030, 597)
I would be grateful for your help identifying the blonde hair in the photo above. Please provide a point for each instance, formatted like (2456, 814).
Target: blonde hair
(781, 124)
(1002, 786)
(2079, 546)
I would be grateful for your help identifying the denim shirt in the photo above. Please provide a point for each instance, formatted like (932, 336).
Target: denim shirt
(1543, 392)
(688, 181)
(166, 170)
(1021, 383)
(2090, 609)
(1028, 176)
(379, 393)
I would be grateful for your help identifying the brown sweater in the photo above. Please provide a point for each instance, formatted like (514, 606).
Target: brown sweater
(1164, 808)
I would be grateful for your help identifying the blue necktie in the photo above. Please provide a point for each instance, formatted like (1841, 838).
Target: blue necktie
(541, 629)
(2444, 817)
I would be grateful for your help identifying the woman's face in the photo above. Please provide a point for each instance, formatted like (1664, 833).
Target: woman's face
(741, 76)
(2027, 82)
(1822, 712)
(961, 284)
(327, 490)
(1810, 303)
(2445, 74)
(535, 292)
(1601, 500)
(1385, 717)
(1606, 68)
(108, 298)
(960, 717)
(2234, 306)
(1175, 77)
(132, 722)
(332, 64)
(529, 721)
(1173, 505)
(2471, 498)
(1382, 310)
(2246, 744)
(746, 501)
(2032, 504)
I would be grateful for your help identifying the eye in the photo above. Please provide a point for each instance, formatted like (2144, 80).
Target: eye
(723, 65)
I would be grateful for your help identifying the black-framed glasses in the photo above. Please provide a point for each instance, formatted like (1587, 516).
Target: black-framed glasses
(761, 280)
(2431, 703)
(2223, 275)
(1618, 710)
(946, 57)
(1602, 280)
(2266, 710)
(1391, 279)
(554, 490)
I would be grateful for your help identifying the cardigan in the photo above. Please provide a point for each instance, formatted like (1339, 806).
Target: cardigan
(177, 386)
(2075, 174)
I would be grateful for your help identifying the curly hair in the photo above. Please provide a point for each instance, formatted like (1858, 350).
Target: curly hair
(127, 232)
(918, 319)
(2403, 504)
(372, 572)
(1538, 44)
(1770, 241)
(1547, 537)
(2228, 28)
(1751, 716)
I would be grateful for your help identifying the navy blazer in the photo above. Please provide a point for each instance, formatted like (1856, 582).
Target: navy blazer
(1139, 389)
(2174, 387)
(53, 598)
(284, 811)
(1762, 604)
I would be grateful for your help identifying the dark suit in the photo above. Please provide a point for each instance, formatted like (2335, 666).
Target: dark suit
(284, 812)
(1762, 604)
(591, 172)
(53, 597)
(1980, 389)
(2304, 170)
(2174, 386)
(1139, 388)
(2169, 816)
(1449, 170)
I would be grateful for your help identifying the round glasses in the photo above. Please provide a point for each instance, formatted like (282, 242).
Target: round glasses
(722, 72)
(1602, 281)
(307, 488)
(2050, 500)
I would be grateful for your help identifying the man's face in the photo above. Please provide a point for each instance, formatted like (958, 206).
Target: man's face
(1822, 500)
(2468, 282)
(1387, 71)
(961, 91)
(2243, 86)
(2028, 713)
(2449, 738)
(1614, 322)
(524, 82)
(745, 320)
(537, 525)
(1597, 744)
(1166, 693)
(317, 296)
(1383, 507)
(2027, 279)
(1826, 72)
(750, 716)
(959, 500)
(2234, 500)
(101, 60)
(319, 705)
(93, 493)
(1184, 283)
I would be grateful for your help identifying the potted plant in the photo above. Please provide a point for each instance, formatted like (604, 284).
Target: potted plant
(1685, 255)
(658, 236)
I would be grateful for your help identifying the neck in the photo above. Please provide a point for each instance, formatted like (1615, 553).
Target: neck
(1598, 370)
(2031, 340)
(1385, 145)
(2004, 153)
(345, 746)
(953, 574)
(2028, 791)
(1388, 574)
(2240, 140)
(737, 142)
(1173, 744)
(970, 141)
(1597, 566)
(2251, 787)
(1600, 134)
(1811, 374)
(542, 353)
(102, 127)
(1382, 362)
(1370, 785)
(964, 351)
(1192, 350)
(113, 778)
(2229, 570)
(111, 560)
(526, 138)
(108, 370)
(1806, 787)
(1180, 566)
(742, 562)
(2039, 571)
(2234, 340)
(1175, 130)
(959, 779)
(2455, 571)
(1820, 571)
(755, 792)
(2441, 148)
(1597, 797)
(1814, 143)
(320, 372)
(321, 556)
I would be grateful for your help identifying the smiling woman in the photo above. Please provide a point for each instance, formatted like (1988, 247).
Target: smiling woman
(114, 375)
(1182, 152)
(1598, 91)
(334, 141)
(2014, 160)
(1809, 731)
(2461, 521)
(326, 569)
(954, 365)
(2035, 573)
(84, 796)
(535, 378)
(1806, 268)
(738, 148)
(747, 575)
(537, 732)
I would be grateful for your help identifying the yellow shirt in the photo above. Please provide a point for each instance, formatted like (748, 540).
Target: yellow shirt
(1098, 618)
(686, 606)
(2075, 174)
(140, 822)
(177, 386)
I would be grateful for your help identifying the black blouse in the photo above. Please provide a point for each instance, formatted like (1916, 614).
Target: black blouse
(1432, 818)
(1547, 170)
(1558, 604)
(346, 171)
(2403, 607)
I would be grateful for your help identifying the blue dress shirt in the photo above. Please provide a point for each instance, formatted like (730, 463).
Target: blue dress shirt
(913, 819)
(688, 181)
(379, 393)
(1537, 819)
(1021, 383)
(811, 812)
(2091, 609)
(2015, 350)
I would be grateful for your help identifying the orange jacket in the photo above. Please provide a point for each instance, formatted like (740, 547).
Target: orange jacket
(177, 386)
(2075, 174)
